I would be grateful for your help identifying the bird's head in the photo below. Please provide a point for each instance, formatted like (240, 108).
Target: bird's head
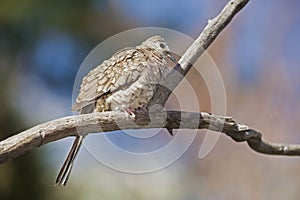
(159, 44)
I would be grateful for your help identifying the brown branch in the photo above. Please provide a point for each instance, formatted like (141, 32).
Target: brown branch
(110, 121)
(27, 140)
(204, 40)
(57, 129)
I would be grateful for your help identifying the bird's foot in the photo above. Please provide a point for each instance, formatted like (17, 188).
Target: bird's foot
(130, 112)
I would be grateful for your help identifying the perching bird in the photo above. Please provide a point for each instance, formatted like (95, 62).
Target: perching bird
(125, 82)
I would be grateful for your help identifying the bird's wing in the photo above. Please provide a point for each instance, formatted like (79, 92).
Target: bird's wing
(116, 73)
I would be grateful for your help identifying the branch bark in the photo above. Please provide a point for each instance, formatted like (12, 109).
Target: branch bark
(57, 129)
(204, 40)
(110, 121)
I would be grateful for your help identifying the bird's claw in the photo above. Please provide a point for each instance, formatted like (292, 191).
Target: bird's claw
(130, 113)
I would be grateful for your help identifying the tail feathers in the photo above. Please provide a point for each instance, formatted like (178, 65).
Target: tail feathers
(65, 171)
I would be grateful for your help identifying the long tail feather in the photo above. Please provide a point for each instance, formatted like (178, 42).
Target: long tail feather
(65, 171)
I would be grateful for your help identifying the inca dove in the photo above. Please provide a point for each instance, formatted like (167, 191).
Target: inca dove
(125, 82)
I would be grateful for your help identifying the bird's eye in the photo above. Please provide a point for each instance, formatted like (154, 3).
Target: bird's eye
(162, 45)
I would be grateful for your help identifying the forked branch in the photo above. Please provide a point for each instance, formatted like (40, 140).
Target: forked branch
(27, 140)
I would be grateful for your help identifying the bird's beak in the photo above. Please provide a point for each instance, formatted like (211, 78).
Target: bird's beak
(171, 57)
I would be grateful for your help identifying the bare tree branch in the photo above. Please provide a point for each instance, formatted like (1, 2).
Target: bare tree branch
(204, 40)
(57, 129)
(27, 140)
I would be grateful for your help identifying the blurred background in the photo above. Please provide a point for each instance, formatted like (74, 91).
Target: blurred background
(42, 45)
